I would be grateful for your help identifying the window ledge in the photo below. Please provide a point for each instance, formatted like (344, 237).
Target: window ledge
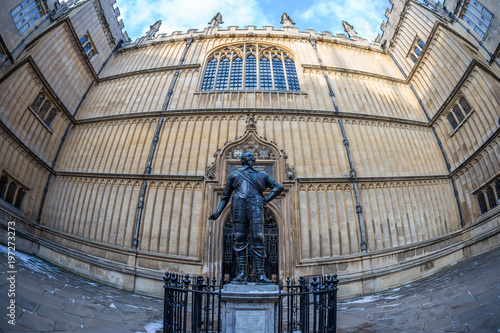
(40, 119)
(462, 122)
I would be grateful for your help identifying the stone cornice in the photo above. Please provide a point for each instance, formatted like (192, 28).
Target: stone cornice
(245, 111)
(430, 40)
(457, 89)
(149, 71)
(83, 56)
(334, 180)
(185, 178)
(25, 147)
(352, 72)
(476, 153)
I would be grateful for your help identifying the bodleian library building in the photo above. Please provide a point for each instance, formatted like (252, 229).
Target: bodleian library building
(114, 153)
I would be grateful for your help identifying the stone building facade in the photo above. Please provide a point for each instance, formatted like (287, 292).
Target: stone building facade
(114, 152)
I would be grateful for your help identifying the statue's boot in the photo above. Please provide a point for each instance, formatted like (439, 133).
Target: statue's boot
(259, 268)
(241, 277)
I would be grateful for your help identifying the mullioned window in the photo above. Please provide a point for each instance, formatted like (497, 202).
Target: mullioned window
(250, 66)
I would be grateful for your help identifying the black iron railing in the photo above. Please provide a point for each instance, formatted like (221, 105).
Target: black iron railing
(309, 306)
(306, 305)
(191, 306)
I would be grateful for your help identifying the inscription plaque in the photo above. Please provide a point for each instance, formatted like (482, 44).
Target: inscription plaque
(251, 321)
(268, 169)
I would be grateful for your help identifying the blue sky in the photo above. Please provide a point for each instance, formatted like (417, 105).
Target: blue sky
(321, 15)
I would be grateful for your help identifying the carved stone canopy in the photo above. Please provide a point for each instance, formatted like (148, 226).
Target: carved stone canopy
(263, 150)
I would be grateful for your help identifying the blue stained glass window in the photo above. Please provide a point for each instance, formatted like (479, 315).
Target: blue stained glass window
(25, 15)
(208, 81)
(291, 73)
(83, 40)
(86, 48)
(421, 44)
(251, 73)
(279, 75)
(413, 58)
(418, 51)
(236, 74)
(478, 17)
(266, 79)
(222, 75)
(18, 8)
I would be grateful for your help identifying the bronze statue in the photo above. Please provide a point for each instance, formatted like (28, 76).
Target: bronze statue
(247, 214)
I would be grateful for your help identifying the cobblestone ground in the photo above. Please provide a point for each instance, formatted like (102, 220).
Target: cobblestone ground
(463, 298)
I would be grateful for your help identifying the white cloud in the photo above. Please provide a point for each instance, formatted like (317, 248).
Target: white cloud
(363, 15)
(181, 15)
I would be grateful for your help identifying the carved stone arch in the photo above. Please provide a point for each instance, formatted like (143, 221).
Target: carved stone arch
(267, 154)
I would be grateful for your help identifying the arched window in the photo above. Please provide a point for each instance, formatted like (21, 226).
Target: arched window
(452, 121)
(477, 16)
(19, 198)
(482, 203)
(3, 186)
(250, 66)
(50, 117)
(491, 198)
(11, 191)
(37, 102)
(458, 113)
(465, 105)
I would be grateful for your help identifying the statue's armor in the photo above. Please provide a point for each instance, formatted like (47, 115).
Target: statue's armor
(247, 213)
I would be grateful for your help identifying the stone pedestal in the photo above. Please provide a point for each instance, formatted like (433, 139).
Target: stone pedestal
(250, 308)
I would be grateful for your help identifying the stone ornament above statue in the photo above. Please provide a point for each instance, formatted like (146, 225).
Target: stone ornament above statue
(247, 214)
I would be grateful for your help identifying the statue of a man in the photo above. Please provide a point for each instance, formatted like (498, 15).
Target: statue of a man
(247, 213)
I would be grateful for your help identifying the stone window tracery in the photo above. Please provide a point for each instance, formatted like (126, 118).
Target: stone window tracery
(488, 197)
(459, 113)
(26, 14)
(477, 17)
(250, 66)
(416, 49)
(88, 46)
(43, 108)
(11, 191)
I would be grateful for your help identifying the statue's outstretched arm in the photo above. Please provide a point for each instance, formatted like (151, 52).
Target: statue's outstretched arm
(226, 195)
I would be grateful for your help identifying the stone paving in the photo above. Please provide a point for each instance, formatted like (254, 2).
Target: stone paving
(463, 298)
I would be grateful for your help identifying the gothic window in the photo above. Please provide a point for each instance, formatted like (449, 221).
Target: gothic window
(497, 188)
(26, 14)
(477, 17)
(250, 66)
(482, 203)
(416, 49)
(44, 109)
(19, 198)
(452, 121)
(465, 106)
(236, 74)
(88, 46)
(251, 73)
(4, 181)
(459, 113)
(11, 191)
(491, 198)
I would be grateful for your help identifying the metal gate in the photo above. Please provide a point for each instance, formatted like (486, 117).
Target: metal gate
(195, 305)
(271, 261)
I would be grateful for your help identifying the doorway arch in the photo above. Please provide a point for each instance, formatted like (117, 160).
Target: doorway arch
(271, 240)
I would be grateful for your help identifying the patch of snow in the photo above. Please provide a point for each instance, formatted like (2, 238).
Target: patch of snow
(153, 326)
(32, 263)
(112, 306)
